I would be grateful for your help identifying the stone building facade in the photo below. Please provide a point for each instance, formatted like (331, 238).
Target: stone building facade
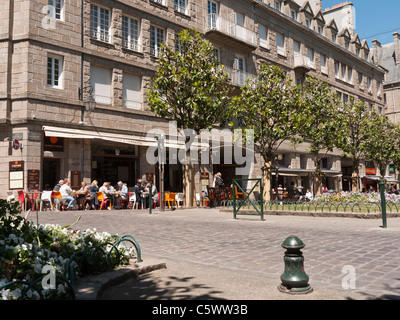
(57, 53)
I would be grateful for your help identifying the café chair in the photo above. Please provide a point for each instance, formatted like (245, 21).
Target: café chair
(132, 200)
(10, 196)
(46, 199)
(180, 200)
(170, 199)
(102, 200)
(58, 200)
(23, 200)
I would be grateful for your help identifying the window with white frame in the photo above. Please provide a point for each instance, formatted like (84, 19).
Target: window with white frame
(56, 9)
(212, 9)
(310, 55)
(131, 33)
(54, 71)
(180, 6)
(277, 5)
(216, 54)
(293, 14)
(350, 75)
(378, 87)
(360, 79)
(369, 84)
(157, 37)
(322, 59)
(280, 44)
(100, 80)
(240, 66)
(100, 23)
(263, 35)
(337, 70)
(344, 72)
(308, 23)
(132, 91)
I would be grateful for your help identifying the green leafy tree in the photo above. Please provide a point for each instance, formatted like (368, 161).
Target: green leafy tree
(380, 142)
(191, 88)
(319, 123)
(354, 130)
(269, 106)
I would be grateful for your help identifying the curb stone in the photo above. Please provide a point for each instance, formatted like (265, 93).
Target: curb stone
(317, 214)
(91, 287)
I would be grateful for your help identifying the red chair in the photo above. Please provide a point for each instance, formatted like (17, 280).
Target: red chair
(23, 200)
(125, 201)
(35, 201)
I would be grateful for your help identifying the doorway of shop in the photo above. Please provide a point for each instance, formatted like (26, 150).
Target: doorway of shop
(51, 173)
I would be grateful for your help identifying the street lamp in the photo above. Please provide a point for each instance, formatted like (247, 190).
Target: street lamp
(89, 103)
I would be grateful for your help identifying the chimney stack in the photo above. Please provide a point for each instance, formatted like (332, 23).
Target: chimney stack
(396, 37)
(375, 45)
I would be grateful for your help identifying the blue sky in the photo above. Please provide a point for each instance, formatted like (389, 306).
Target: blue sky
(374, 19)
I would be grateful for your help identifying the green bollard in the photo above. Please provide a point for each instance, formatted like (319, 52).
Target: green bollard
(383, 201)
(294, 279)
(150, 198)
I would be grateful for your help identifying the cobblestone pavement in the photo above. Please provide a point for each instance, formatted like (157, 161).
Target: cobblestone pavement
(212, 239)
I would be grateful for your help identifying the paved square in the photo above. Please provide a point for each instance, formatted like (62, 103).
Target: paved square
(208, 238)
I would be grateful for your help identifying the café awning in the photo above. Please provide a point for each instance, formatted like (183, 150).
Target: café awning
(132, 139)
(88, 134)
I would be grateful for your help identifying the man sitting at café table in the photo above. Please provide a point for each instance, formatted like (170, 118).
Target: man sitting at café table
(83, 194)
(122, 190)
(66, 193)
(108, 192)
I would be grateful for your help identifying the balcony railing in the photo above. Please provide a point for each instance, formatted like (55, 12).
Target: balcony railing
(130, 104)
(302, 62)
(238, 77)
(231, 28)
(131, 44)
(102, 99)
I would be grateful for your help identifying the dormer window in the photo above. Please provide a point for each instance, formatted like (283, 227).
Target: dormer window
(277, 5)
(293, 14)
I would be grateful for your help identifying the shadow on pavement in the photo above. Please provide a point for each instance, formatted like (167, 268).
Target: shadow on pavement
(153, 287)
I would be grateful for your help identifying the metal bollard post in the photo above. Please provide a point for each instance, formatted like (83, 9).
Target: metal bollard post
(294, 279)
(150, 198)
(383, 201)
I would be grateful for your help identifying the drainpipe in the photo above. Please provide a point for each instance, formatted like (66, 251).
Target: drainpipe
(9, 58)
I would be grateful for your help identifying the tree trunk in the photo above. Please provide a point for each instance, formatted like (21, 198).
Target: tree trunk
(189, 185)
(266, 181)
(317, 177)
(355, 176)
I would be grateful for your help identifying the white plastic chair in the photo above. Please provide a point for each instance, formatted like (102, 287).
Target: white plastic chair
(46, 197)
(133, 201)
(180, 199)
(10, 196)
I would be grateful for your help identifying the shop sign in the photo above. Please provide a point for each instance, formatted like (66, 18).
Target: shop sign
(370, 171)
(16, 175)
(33, 179)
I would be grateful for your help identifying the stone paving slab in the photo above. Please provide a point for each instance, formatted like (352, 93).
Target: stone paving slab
(208, 238)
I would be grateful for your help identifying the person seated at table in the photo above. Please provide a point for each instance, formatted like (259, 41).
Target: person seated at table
(123, 192)
(154, 194)
(58, 185)
(137, 190)
(93, 189)
(218, 180)
(66, 193)
(83, 194)
(108, 190)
